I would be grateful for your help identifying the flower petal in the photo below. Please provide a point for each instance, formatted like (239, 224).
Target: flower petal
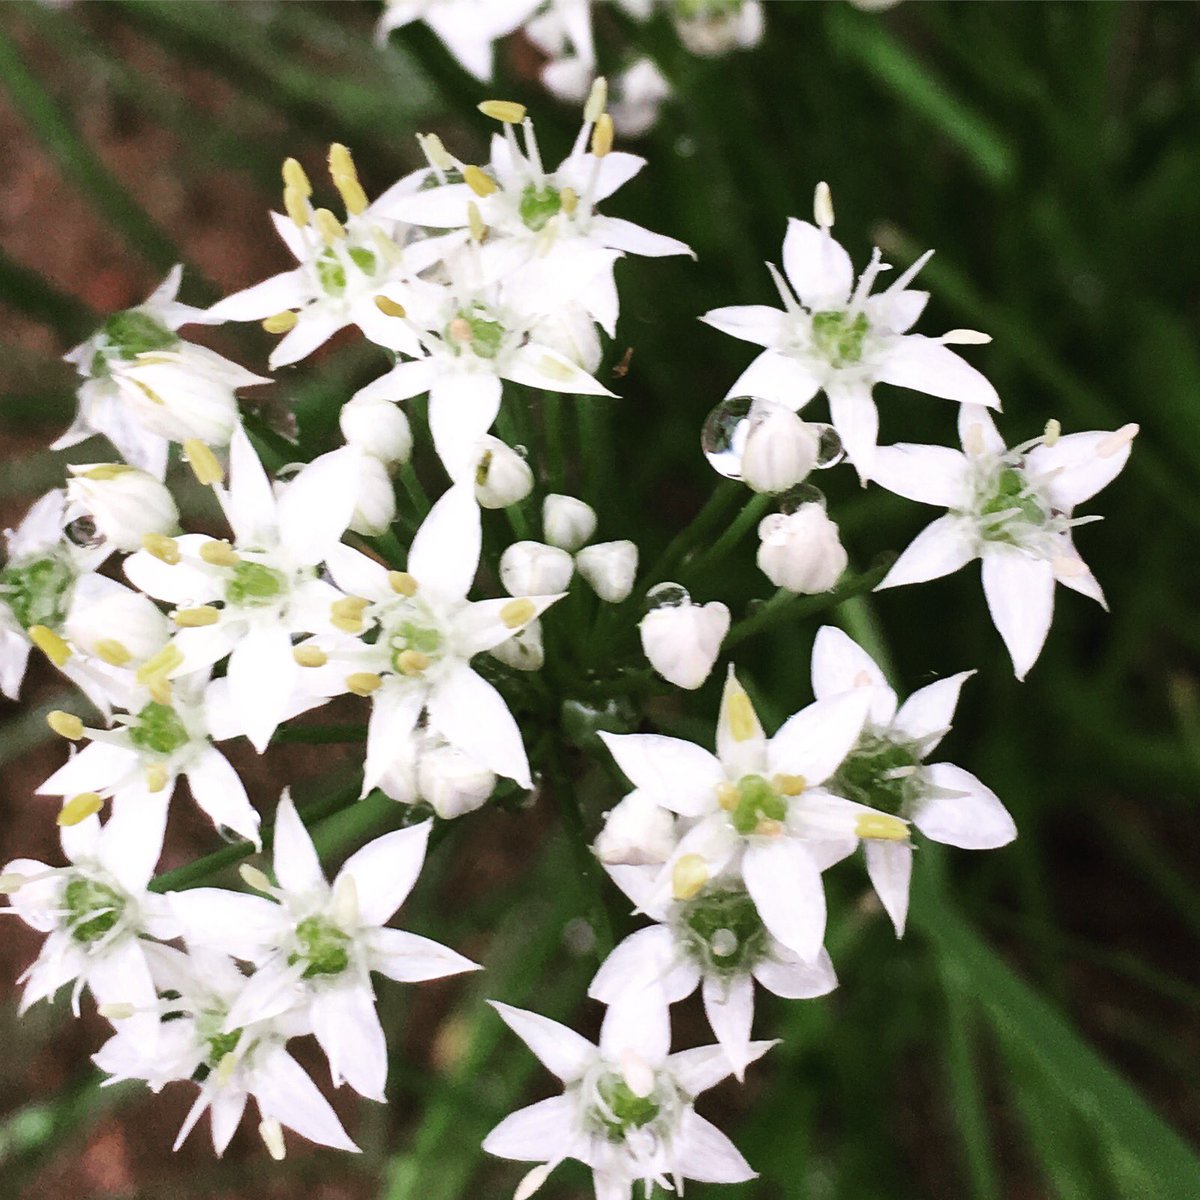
(1020, 596)
(729, 1005)
(637, 1025)
(384, 871)
(285, 1093)
(297, 866)
(789, 977)
(648, 958)
(347, 1027)
(786, 888)
(816, 266)
(741, 743)
(927, 714)
(445, 551)
(972, 819)
(676, 774)
(814, 742)
(262, 676)
(889, 865)
(707, 1155)
(218, 790)
(856, 420)
(756, 323)
(462, 407)
(1078, 465)
(316, 506)
(925, 365)
(537, 1133)
(633, 239)
(409, 958)
(941, 548)
(470, 714)
(237, 924)
(928, 474)
(561, 1051)
(784, 378)
(839, 664)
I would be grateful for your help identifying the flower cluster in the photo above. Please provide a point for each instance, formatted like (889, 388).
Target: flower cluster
(491, 290)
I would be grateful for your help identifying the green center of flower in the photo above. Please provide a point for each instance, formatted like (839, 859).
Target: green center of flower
(38, 591)
(331, 271)
(1012, 501)
(880, 773)
(839, 336)
(221, 1044)
(410, 638)
(252, 585)
(620, 1109)
(133, 332)
(473, 329)
(158, 729)
(538, 205)
(93, 909)
(755, 801)
(721, 930)
(322, 946)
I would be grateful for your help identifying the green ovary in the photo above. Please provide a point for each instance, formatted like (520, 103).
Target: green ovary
(322, 946)
(93, 909)
(1010, 496)
(133, 332)
(252, 585)
(756, 800)
(37, 592)
(879, 773)
(839, 336)
(471, 330)
(626, 1111)
(538, 206)
(722, 930)
(331, 271)
(158, 729)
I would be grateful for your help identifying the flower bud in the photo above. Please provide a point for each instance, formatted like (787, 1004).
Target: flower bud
(567, 523)
(710, 31)
(524, 650)
(125, 503)
(780, 451)
(452, 782)
(502, 476)
(636, 833)
(682, 641)
(610, 568)
(103, 611)
(800, 551)
(532, 569)
(375, 504)
(378, 427)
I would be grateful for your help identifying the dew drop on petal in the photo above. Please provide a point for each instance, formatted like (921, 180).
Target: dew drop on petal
(667, 595)
(796, 498)
(83, 532)
(723, 437)
(522, 451)
(830, 450)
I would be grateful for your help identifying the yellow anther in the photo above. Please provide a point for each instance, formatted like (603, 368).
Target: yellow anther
(402, 583)
(12, 882)
(363, 683)
(79, 808)
(294, 176)
(823, 206)
(768, 827)
(328, 226)
(881, 827)
(203, 462)
(226, 1067)
(517, 613)
(390, 308)
(412, 662)
(569, 199)
(1115, 442)
(109, 650)
(742, 722)
(50, 644)
(118, 1011)
(107, 471)
(281, 322)
(156, 777)
(789, 785)
(310, 656)
(556, 368)
(386, 247)
(160, 665)
(271, 1133)
(149, 393)
(65, 724)
(597, 100)
(347, 614)
(688, 876)
(475, 222)
(160, 691)
(602, 136)
(341, 161)
(479, 182)
(253, 877)
(164, 548)
(219, 554)
(1052, 432)
(352, 194)
(190, 618)
(727, 796)
(435, 150)
(296, 203)
(509, 112)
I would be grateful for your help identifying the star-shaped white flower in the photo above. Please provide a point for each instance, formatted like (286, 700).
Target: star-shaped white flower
(626, 1110)
(833, 335)
(315, 945)
(467, 28)
(1011, 508)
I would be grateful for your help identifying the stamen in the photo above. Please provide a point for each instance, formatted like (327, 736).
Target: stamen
(688, 876)
(281, 322)
(435, 151)
(789, 785)
(1116, 442)
(116, 1012)
(390, 308)
(219, 554)
(190, 618)
(156, 778)
(509, 112)
(823, 206)
(352, 194)
(294, 176)
(80, 808)
(727, 796)
(637, 1073)
(165, 549)
(881, 827)
(569, 199)
(160, 691)
(533, 1181)
(329, 227)
(203, 462)
(973, 441)
(347, 614)
(602, 136)
(107, 471)
(412, 662)
(965, 337)
(254, 878)
(115, 653)
(225, 1069)
(363, 683)
(296, 203)
(1053, 432)
(12, 882)
(160, 665)
(50, 644)
(517, 613)
(310, 656)
(475, 222)
(597, 100)
(790, 302)
(480, 183)
(402, 582)
(65, 724)
(768, 827)
(906, 277)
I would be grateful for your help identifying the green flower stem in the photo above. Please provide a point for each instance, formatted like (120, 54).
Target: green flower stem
(753, 512)
(595, 443)
(555, 441)
(416, 494)
(722, 500)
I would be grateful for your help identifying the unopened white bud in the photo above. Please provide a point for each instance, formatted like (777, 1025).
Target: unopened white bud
(377, 426)
(502, 476)
(103, 612)
(780, 451)
(375, 503)
(567, 522)
(524, 650)
(636, 833)
(125, 503)
(452, 782)
(533, 569)
(610, 567)
(682, 641)
(801, 551)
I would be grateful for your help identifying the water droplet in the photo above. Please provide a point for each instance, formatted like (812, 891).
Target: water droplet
(796, 498)
(723, 437)
(83, 532)
(667, 595)
(226, 834)
(724, 943)
(579, 937)
(523, 451)
(830, 450)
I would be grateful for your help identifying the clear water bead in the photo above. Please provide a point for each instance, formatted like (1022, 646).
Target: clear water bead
(723, 436)
(830, 450)
(667, 595)
(795, 499)
(83, 532)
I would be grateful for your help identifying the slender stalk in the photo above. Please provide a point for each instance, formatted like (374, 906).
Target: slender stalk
(753, 512)
(722, 500)
(555, 441)
(413, 490)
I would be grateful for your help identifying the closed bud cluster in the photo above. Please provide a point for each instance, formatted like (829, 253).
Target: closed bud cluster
(801, 551)
(502, 476)
(125, 503)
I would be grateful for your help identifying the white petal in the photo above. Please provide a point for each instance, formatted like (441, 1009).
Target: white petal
(929, 712)
(676, 774)
(358, 575)
(285, 1093)
(785, 885)
(704, 1067)
(409, 958)
(729, 1005)
(756, 323)
(482, 625)
(537, 365)
(941, 548)
(537, 1133)
(839, 664)
(638, 1025)
(889, 865)
(240, 925)
(250, 501)
(1020, 596)
(462, 407)
(816, 266)
(925, 365)
(973, 820)
(97, 766)
(131, 841)
(973, 416)
(793, 979)
(814, 742)
(403, 381)
(297, 866)
(741, 743)
(1076, 468)
(707, 1155)
(218, 790)
(561, 1050)
(227, 1109)
(385, 869)
(316, 506)
(633, 239)
(182, 584)
(394, 712)
(856, 420)
(928, 474)
(347, 1027)
(784, 378)
(280, 292)
(316, 325)
(262, 676)
(649, 958)
(445, 551)
(470, 714)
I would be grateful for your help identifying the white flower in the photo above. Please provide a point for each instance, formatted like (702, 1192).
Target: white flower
(755, 812)
(467, 28)
(636, 832)
(626, 1110)
(124, 503)
(449, 780)
(838, 337)
(780, 449)
(145, 387)
(887, 768)
(714, 27)
(1013, 509)
(568, 523)
(637, 94)
(682, 640)
(230, 1066)
(315, 945)
(563, 32)
(801, 550)
(375, 497)
(378, 428)
(502, 476)
(95, 913)
(610, 567)
(265, 584)
(424, 633)
(530, 568)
